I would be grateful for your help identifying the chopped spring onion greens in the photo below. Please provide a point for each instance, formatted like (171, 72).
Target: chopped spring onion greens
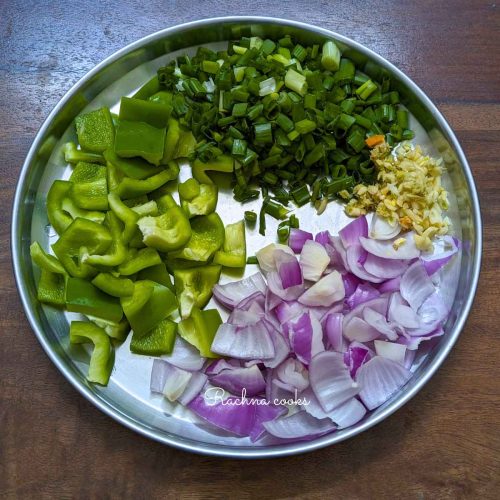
(288, 114)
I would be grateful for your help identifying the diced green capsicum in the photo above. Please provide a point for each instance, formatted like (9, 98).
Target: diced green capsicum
(148, 89)
(139, 260)
(58, 218)
(135, 168)
(222, 163)
(95, 130)
(157, 273)
(234, 252)
(51, 288)
(90, 187)
(117, 287)
(153, 113)
(196, 198)
(168, 231)
(158, 341)
(45, 261)
(146, 209)
(83, 297)
(140, 139)
(162, 97)
(149, 304)
(207, 236)
(200, 329)
(117, 331)
(194, 287)
(117, 251)
(171, 140)
(74, 155)
(125, 214)
(131, 188)
(82, 236)
(101, 360)
(69, 206)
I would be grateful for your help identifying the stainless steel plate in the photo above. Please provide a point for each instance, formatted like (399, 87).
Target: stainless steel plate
(127, 398)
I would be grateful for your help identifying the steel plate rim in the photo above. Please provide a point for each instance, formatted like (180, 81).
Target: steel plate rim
(248, 452)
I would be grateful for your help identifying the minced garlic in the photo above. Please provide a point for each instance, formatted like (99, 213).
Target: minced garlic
(408, 191)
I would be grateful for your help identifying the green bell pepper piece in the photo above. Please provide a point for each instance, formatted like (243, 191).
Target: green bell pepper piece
(234, 252)
(196, 198)
(74, 155)
(138, 260)
(117, 287)
(162, 97)
(90, 187)
(222, 163)
(117, 331)
(140, 139)
(148, 89)
(149, 208)
(134, 202)
(117, 251)
(101, 360)
(44, 260)
(194, 287)
(135, 168)
(153, 113)
(149, 304)
(158, 274)
(200, 329)
(169, 231)
(51, 288)
(115, 176)
(58, 218)
(81, 234)
(175, 264)
(83, 297)
(131, 188)
(125, 214)
(158, 341)
(186, 145)
(207, 236)
(95, 130)
(171, 140)
(69, 206)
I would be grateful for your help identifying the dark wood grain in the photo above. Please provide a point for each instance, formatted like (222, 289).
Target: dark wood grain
(445, 443)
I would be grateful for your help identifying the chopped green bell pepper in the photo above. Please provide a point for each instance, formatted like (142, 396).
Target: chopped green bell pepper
(44, 260)
(117, 251)
(158, 274)
(90, 187)
(115, 176)
(69, 206)
(171, 140)
(135, 168)
(146, 209)
(158, 341)
(149, 304)
(186, 145)
(58, 218)
(153, 113)
(95, 130)
(125, 214)
(196, 198)
(117, 287)
(138, 260)
(148, 89)
(81, 234)
(162, 97)
(134, 202)
(234, 252)
(74, 155)
(131, 188)
(83, 297)
(175, 264)
(200, 329)
(207, 236)
(101, 360)
(117, 331)
(51, 288)
(194, 287)
(140, 139)
(222, 163)
(168, 231)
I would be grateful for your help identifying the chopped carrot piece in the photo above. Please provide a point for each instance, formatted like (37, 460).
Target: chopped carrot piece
(374, 140)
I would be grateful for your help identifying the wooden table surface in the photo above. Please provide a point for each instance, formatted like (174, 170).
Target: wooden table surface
(445, 443)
